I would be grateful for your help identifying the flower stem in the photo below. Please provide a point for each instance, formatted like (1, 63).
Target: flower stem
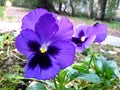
(54, 80)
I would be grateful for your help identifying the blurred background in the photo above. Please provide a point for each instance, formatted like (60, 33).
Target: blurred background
(78, 11)
(98, 9)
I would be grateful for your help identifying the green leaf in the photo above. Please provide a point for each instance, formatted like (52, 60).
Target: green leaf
(13, 76)
(62, 76)
(92, 77)
(104, 67)
(99, 64)
(72, 74)
(36, 86)
(66, 76)
(68, 89)
(1, 42)
(108, 68)
(50, 84)
(81, 67)
(115, 68)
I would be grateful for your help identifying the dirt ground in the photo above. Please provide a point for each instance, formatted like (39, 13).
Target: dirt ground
(15, 14)
(114, 32)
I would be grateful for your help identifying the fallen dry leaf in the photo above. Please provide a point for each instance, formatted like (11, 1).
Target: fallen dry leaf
(113, 52)
(117, 50)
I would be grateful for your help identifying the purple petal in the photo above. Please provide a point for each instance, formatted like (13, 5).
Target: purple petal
(88, 33)
(79, 28)
(89, 41)
(81, 33)
(29, 21)
(91, 36)
(65, 55)
(80, 48)
(65, 30)
(23, 39)
(42, 74)
(101, 32)
(46, 27)
(86, 44)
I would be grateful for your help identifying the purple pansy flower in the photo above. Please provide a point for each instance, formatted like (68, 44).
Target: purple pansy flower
(44, 40)
(85, 35)
(100, 30)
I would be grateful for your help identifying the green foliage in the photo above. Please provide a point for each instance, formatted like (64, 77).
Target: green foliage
(111, 9)
(94, 69)
(106, 70)
(114, 24)
(25, 3)
(2, 2)
(10, 81)
(91, 77)
(2, 11)
(81, 67)
(6, 40)
(2, 39)
(36, 86)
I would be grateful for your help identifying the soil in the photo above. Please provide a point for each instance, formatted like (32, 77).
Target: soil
(15, 14)
(114, 32)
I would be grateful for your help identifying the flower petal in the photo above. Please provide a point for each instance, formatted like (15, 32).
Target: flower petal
(29, 21)
(27, 42)
(89, 41)
(86, 32)
(80, 28)
(101, 32)
(65, 30)
(80, 48)
(46, 27)
(42, 74)
(40, 58)
(65, 54)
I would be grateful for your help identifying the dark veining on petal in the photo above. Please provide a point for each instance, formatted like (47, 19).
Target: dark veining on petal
(41, 59)
(52, 50)
(77, 41)
(33, 45)
(86, 39)
(81, 34)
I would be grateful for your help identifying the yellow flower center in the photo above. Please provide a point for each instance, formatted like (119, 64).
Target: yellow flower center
(43, 49)
(83, 39)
